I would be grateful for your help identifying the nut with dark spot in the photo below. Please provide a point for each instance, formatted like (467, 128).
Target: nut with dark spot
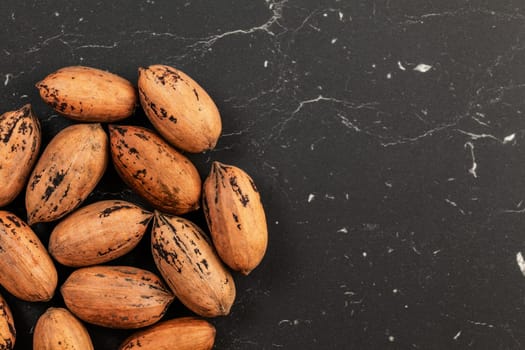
(88, 94)
(58, 329)
(113, 296)
(7, 326)
(154, 169)
(179, 108)
(235, 217)
(185, 333)
(20, 139)
(68, 170)
(189, 264)
(98, 233)
(26, 269)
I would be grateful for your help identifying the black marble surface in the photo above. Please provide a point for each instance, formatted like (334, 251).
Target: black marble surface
(386, 137)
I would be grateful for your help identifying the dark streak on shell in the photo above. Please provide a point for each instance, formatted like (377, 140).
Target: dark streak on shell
(181, 248)
(20, 138)
(177, 193)
(59, 184)
(109, 281)
(108, 211)
(8, 340)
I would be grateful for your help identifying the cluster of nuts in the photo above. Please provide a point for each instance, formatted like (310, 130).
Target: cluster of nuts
(192, 266)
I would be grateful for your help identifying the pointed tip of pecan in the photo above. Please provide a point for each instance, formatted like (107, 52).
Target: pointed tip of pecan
(31, 220)
(216, 166)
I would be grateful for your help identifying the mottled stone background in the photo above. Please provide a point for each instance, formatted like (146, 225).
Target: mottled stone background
(386, 137)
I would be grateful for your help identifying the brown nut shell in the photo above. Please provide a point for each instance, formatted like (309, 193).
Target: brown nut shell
(20, 139)
(68, 170)
(58, 329)
(179, 108)
(154, 169)
(7, 326)
(98, 233)
(26, 269)
(116, 296)
(190, 266)
(88, 94)
(235, 216)
(185, 333)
